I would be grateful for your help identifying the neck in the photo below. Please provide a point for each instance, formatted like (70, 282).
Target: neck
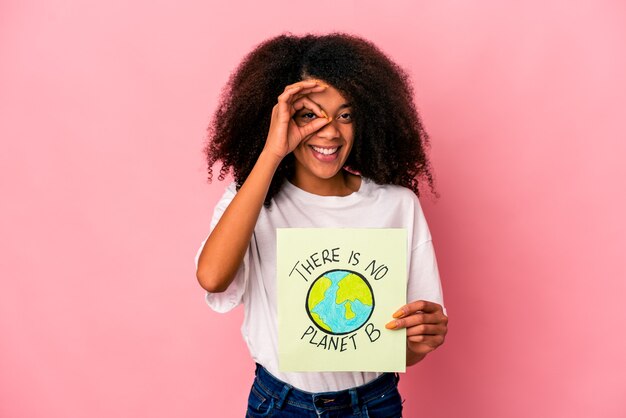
(342, 184)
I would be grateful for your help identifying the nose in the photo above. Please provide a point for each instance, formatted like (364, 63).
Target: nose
(328, 131)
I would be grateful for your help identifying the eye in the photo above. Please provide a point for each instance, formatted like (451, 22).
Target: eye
(346, 116)
(304, 117)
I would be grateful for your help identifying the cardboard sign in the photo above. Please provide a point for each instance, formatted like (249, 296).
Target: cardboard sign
(337, 288)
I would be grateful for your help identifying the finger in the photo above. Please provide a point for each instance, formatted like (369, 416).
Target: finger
(420, 348)
(303, 85)
(294, 93)
(313, 126)
(304, 91)
(416, 319)
(297, 96)
(426, 329)
(432, 341)
(291, 103)
(309, 82)
(306, 103)
(417, 306)
(284, 104)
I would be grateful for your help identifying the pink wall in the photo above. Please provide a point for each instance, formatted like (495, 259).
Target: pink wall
(103, 107)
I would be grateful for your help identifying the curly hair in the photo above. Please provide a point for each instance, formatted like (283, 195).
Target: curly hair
(389, 139)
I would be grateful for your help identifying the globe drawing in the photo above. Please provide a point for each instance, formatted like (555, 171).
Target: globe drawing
(340, 301)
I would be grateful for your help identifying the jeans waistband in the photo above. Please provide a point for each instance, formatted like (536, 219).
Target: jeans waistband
(283, 392)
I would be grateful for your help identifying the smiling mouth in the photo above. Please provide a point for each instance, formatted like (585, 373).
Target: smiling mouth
(325, 151)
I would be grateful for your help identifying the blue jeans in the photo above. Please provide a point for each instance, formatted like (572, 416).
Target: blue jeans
(271, 397)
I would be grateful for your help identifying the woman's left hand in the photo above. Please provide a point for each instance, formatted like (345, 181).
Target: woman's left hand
(426, 325)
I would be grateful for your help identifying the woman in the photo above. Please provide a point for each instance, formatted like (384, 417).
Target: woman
(319, 131)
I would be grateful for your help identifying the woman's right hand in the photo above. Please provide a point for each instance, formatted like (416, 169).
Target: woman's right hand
(284, 133)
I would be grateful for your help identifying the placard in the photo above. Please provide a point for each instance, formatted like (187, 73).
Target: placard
(337, 288)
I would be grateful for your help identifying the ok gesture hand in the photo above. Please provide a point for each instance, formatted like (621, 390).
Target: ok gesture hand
(284, 133)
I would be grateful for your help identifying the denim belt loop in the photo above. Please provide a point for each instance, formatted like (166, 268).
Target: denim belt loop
(355, 402)
(283, 396)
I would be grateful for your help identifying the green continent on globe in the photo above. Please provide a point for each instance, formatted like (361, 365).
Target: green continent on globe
(317, 294)
(352, 287)
(319, 321)
(318, 290)
(349, 312)
(339, 302)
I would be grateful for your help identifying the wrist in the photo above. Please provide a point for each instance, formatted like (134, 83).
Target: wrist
(270, 158)
(413, 357)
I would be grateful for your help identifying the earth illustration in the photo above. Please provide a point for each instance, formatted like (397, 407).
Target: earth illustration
(340, 302)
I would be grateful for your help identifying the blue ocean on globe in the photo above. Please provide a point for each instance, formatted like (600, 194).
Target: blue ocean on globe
(334, 314)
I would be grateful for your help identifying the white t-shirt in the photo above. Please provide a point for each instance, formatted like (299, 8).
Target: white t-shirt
(372, 206)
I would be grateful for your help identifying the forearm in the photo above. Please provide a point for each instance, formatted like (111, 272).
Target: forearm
(225, 247)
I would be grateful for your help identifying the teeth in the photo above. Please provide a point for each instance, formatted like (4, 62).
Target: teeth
(325, 151)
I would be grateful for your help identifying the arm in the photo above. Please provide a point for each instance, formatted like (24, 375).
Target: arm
(231, 236)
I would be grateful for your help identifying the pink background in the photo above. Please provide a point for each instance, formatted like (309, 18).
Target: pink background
(103, 110)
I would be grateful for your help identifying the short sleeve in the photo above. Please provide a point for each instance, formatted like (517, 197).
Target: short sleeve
(232, 296)
(424, 282)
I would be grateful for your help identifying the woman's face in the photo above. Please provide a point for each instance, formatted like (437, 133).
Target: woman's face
(324, 153)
